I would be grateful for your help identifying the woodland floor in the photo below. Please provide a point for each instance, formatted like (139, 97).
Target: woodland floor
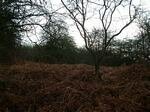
(37, 87)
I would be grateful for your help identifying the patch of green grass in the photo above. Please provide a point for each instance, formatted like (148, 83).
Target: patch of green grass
(3, 84)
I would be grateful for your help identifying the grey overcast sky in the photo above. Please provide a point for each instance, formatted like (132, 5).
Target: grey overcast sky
(129, 32)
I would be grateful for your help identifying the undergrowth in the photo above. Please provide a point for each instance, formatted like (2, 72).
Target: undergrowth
(36, 87)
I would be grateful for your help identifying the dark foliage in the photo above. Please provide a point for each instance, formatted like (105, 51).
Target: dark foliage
(9, 33)
(16, 17)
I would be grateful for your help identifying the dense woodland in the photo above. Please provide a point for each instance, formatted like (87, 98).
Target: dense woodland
(53, 74)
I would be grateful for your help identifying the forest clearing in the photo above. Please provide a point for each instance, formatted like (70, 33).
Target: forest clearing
(74, 56)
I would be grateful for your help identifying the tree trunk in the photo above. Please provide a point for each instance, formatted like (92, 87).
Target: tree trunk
(97, 70)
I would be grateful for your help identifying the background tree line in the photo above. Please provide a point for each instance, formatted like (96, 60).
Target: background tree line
(57, 46)
(62, 49)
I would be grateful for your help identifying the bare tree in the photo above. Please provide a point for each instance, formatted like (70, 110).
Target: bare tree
(98, 42)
